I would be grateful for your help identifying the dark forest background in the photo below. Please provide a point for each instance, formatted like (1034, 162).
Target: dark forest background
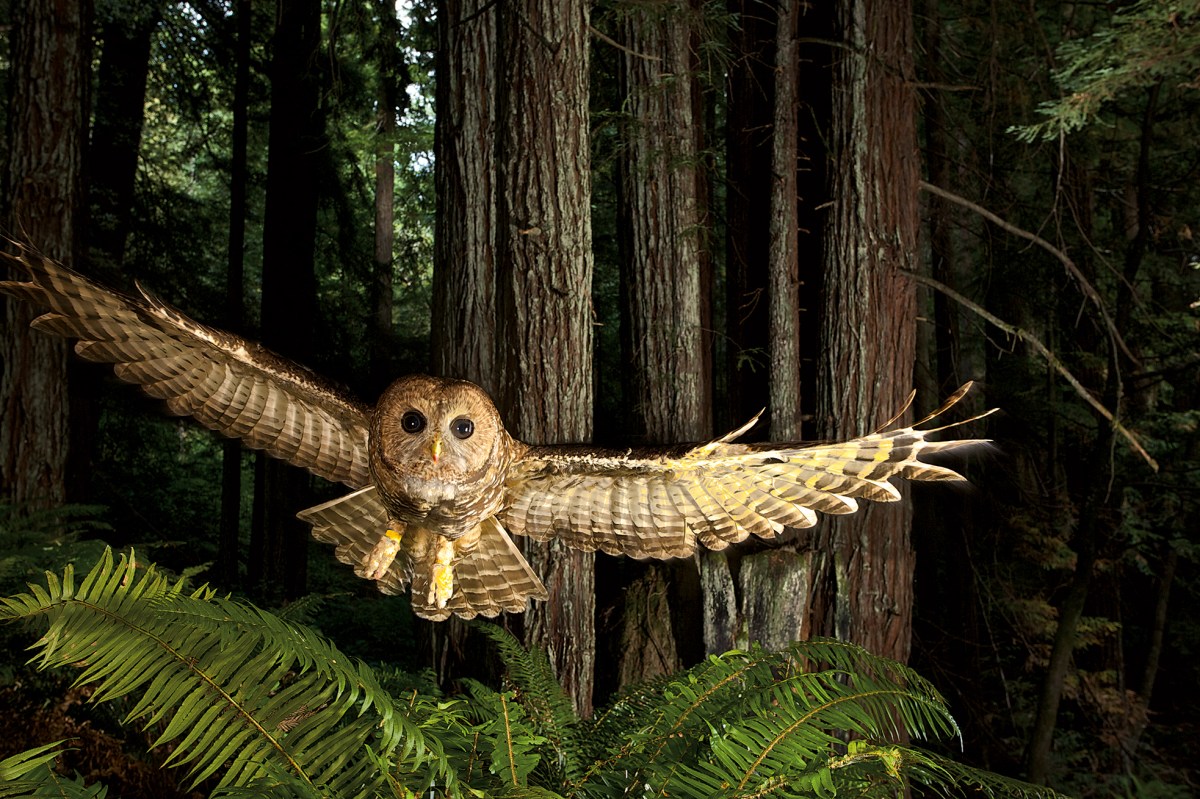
(646, 220)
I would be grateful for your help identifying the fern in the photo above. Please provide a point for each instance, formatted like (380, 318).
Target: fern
(241, 693)
(31, 773)
(549, 710)
(756, 724)
(267, 707)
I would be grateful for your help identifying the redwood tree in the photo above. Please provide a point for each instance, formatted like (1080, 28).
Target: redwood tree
(665, 284)
(543, 288)
(296, 141)
(49, 68)
(869, 314)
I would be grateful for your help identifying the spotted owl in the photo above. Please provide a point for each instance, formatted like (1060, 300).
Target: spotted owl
(440, 485)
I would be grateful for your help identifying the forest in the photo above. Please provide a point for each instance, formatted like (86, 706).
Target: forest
(632, 222)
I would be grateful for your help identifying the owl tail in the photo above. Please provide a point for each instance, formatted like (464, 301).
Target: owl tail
(487, 573)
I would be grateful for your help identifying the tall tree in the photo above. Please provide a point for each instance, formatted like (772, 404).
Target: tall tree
(464, 321)
(48, 122)
(868, 343)
(665, 283)
(116, 137)
(389, 94)
(543, 290)
(464, 288)
(783, 246)
(228, 537)
(296, 143)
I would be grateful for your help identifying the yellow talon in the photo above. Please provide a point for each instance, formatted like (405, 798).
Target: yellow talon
(382, 555)
(442, 586)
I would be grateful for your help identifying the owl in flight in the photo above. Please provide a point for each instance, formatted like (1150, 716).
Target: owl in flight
(439, 484)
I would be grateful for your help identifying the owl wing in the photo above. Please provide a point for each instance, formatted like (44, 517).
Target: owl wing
(490, 574)
(229, 384)
(661, 503)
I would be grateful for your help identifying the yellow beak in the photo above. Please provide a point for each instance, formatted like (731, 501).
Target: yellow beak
(435, 447)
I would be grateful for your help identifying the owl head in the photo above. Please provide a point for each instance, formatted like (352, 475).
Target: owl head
(434, 428)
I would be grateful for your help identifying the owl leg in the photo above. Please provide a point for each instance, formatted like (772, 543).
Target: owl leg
(441, 587)
(384, 553)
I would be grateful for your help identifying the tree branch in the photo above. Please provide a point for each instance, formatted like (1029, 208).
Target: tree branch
(1045, 352)
(1085, 286)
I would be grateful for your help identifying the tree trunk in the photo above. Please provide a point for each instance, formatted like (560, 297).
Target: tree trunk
(117, 133)
(665, 344)
(783, 253)
(662, 227)
(228, 540)
(388, 97)
(464, 324)
(295, 143)
(544, 287)
(48, 128)
(465, 341)
(869, 313)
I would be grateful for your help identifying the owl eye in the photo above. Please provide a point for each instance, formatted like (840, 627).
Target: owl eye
(462, 427)
(412, 422)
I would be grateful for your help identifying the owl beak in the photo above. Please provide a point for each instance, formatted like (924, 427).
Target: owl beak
(435, 447)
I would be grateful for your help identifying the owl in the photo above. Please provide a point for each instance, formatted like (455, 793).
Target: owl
(439, 486)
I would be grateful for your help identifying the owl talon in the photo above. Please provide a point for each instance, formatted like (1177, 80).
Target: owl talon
(441, 587)
(383, 554)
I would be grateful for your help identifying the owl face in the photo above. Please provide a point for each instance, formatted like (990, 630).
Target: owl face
(435, 447)
(435, 427)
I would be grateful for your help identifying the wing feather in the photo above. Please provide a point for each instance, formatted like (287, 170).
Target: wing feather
(227, 383)
(490, 574)
(660, 502)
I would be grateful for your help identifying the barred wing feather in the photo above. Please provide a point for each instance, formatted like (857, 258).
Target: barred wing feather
(491, 575)
(229, 384)
(660, 504)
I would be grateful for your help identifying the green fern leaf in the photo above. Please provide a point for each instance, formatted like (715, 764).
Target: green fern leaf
(31, 773)
(242, 694)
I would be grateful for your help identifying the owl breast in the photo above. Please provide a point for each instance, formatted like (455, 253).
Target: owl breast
(451, 509)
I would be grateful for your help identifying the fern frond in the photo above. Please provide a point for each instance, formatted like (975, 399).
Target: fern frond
(31, 773)
(504, 744)
(545, 704)
(239, 692)
(760, 723)
(933, 775)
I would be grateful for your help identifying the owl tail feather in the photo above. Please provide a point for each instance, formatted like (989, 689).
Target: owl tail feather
(487, 575)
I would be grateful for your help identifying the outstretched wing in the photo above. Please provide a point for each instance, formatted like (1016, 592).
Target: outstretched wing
(490, 574)
(661, 504)
(229, 384)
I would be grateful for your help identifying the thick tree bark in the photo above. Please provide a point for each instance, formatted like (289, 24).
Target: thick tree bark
(784, 250)
(295, 143)
(464, 327)
(665, 344)
(662, 227)
(869, 312)
(544, 287)
(464, 288)
(48, 123)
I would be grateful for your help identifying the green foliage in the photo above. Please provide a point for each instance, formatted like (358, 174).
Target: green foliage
(33, 539)
(267, 707)
(240, 692)
(31, 773)
(1147, 43)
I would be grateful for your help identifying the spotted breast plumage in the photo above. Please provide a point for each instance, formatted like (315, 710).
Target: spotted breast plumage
(439, 484)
